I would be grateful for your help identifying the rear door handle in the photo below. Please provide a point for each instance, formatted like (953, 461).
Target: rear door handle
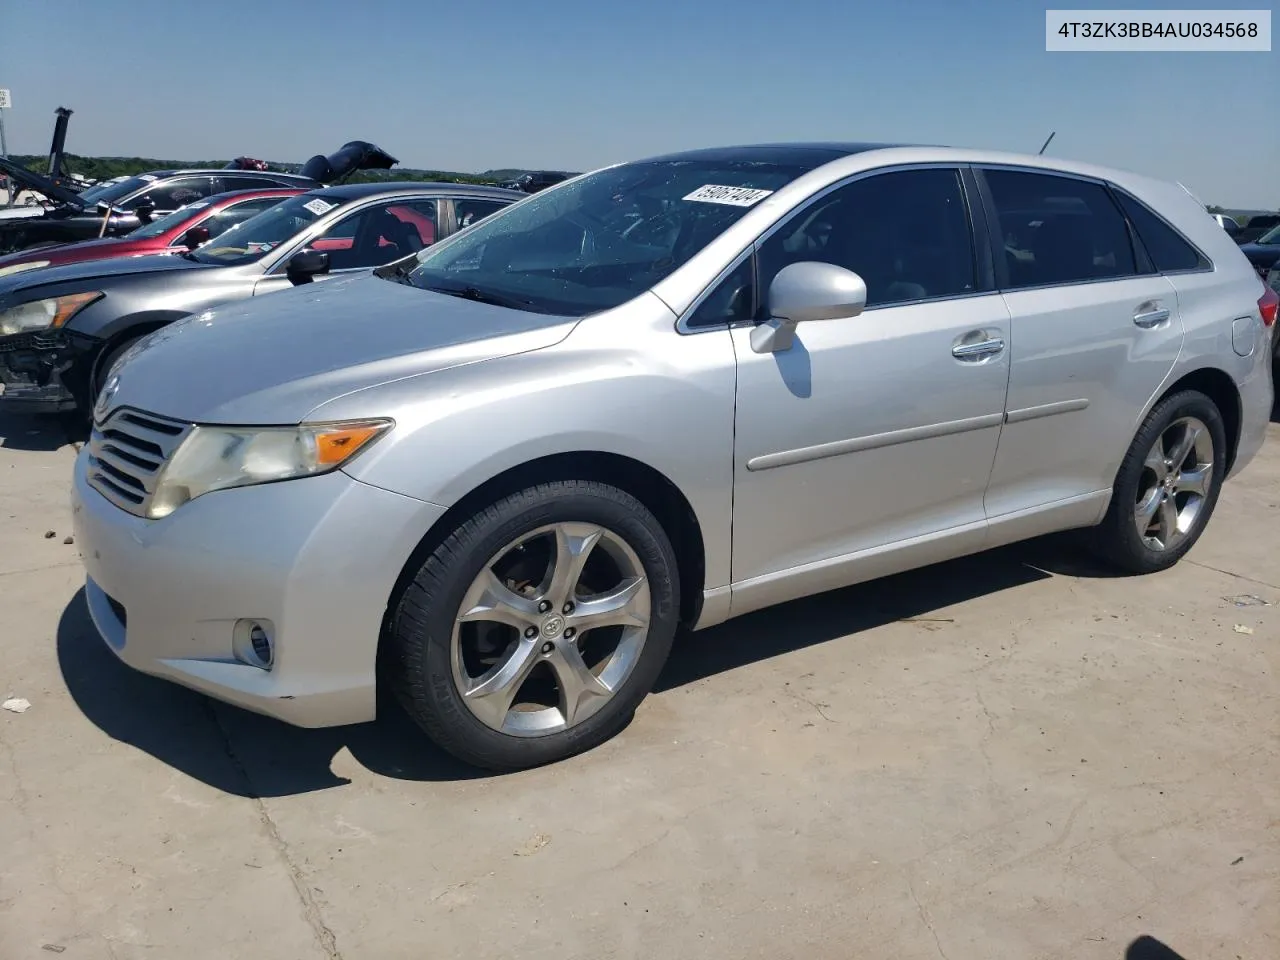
(1150, 315)
(978, 351)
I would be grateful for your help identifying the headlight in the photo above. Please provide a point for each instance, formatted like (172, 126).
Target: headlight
(19, 267)
(217, 458)
(44, 314)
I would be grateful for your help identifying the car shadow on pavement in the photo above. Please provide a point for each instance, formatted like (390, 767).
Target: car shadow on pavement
(247, 755)
(41, 434)
(1149, 948)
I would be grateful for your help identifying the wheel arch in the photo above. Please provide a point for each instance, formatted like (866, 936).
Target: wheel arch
(1219, 387)
(659, 494)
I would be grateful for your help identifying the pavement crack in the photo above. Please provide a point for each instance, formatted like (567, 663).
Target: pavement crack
(813, 703)
(924, 918)
(310, 908)
(1231, 573)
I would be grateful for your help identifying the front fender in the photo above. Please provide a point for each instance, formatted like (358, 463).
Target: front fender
(663, 399)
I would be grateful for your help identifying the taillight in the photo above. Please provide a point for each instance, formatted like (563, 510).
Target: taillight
(1267, 306)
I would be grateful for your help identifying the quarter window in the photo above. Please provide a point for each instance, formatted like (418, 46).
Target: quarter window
(906, 233)
(1166, 247)
(730, 301)
(470, 211)
(1058, 230)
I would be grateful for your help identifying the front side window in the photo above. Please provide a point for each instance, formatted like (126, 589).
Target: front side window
(906, 233)
(378, 234)
(596, 243)
(256, 237)
(1058, 229)
(172, 194)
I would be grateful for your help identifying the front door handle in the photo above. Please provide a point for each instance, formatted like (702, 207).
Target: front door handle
(981, 350)
(1150, 314)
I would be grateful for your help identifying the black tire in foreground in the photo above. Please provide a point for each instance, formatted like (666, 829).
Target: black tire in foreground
(536, 627)
(1167, 486)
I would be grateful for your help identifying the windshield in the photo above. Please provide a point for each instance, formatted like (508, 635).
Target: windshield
(601, 240)
(115, 192)
(253, 239)
(1271, 236)
(166, 223)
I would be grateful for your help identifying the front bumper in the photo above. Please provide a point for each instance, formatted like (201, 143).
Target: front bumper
(45, 371)
(315, 559)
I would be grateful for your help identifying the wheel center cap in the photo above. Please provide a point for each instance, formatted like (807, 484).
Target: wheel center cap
(553, 626)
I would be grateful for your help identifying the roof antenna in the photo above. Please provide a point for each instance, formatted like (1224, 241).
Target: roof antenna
(1046, 143)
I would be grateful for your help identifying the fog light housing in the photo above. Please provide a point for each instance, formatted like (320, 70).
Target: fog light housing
(253, 642)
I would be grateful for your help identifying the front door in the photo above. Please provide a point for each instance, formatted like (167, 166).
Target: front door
(867, 445)
(1095, 333)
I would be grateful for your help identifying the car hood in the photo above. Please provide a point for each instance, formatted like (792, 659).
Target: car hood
(33, 181)
(346, 160)
(24, 212)
(15, 286)
(1260, 250)
(67, 253)
(277, 358)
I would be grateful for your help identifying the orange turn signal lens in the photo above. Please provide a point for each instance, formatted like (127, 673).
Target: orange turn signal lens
(71, 304)
(338, 444)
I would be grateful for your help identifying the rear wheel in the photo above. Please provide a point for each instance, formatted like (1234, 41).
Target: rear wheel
(535, 629)
(1167, 486)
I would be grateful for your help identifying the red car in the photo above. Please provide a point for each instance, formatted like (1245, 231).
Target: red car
(168, 234)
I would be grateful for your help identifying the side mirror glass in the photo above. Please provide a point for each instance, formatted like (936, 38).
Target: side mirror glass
(306, 264)
(194, 237)
(804, 292)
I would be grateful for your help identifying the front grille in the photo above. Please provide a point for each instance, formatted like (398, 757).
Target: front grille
(126, 452)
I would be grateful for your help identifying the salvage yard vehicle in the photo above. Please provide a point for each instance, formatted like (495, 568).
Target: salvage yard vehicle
(184, 229)
(501, 473)
(118, 208)
(62, 328)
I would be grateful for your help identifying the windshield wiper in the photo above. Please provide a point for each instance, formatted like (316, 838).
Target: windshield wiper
(481, 296)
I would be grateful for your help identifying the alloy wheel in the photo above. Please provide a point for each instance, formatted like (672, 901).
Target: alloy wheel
(550, 629)
(1177, 476)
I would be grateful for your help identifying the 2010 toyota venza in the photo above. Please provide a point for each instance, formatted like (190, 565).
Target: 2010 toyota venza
(501, 473)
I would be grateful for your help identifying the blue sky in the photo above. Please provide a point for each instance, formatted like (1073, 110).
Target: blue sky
(579, 83)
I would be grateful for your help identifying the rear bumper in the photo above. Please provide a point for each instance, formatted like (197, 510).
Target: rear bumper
(45, 371)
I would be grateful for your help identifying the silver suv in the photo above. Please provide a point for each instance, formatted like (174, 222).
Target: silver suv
(501, 473)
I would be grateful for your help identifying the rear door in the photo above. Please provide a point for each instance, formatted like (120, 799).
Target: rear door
(1095, 332)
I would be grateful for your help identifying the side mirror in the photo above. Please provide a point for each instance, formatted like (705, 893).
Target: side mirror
(305, 264)
(144, 210)
(194, 237)
(803, 292)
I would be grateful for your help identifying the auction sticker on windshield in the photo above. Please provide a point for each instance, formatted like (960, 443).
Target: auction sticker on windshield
(319, 207)
(733, 196)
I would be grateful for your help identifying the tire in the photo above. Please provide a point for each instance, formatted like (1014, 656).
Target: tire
(102, 369)
(1117, 539)
(428, 662)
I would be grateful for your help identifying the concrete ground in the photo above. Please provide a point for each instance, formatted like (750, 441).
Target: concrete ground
(1011, 756)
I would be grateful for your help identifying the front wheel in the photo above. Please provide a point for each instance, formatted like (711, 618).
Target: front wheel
(535, 629)
(1167, 486)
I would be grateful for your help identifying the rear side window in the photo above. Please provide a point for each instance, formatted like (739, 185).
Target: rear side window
(1167, 249)
(1058, 230)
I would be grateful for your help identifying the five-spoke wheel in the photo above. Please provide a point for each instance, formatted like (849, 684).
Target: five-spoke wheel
(535, 628)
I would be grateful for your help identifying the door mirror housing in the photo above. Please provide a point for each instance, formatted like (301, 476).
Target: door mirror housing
(804, 292)
(306, 264)
(194, 237)
(144, 210)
